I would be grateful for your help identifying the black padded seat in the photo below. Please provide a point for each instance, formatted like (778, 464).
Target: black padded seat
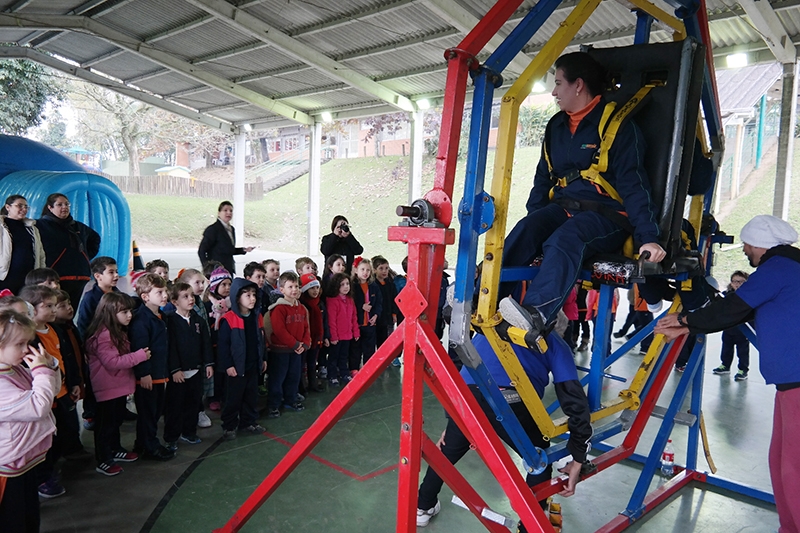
(667, 118)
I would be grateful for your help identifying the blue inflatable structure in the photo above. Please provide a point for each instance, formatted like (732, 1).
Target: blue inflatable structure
(35, 171)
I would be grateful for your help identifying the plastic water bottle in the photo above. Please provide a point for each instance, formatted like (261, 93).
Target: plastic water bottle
(668, 460)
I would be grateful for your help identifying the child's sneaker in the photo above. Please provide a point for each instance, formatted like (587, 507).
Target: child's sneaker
(323, 373)
(229, 434)
(88, 424)
(191, 439)
(721, 369)
(262, 390)
(741, 375)
(123, 456)
(215, 406)
(299, 397)
(255, 429)
(171, 445)
(333, 382)
(681, 369)
(51, 489)
(423, 516)
(353, 374)
(396, 362)
(274, 413)
(108, 469)
(347, 379)
(296, 406)
(202, 420)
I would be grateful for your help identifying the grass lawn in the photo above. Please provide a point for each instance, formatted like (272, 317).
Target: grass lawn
(367, 191)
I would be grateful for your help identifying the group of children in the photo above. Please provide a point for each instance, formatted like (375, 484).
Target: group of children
(172, 346)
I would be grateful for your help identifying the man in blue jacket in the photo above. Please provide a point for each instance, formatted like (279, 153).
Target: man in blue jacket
(556, 361)
(770, 296)
(570, 218)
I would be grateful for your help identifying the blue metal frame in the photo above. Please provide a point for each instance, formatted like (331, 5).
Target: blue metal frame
(644, 23)
(602, 333)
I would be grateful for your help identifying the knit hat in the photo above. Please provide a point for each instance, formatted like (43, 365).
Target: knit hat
(135, 275)
(308, 281)
(218, 276)
(767, 231)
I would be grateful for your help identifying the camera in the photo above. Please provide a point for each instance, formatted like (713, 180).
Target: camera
(345, 228)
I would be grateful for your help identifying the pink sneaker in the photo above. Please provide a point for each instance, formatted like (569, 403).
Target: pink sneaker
(214, 406)
(353, 373)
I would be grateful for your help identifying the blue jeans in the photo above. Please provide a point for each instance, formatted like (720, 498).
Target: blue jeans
(566, 240)
(283, 375)
(338, 355)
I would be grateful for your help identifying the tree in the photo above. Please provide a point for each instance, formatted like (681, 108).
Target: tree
(533, 121)
(25, 89)
(380, 124)
(54, 132)
(110, 119)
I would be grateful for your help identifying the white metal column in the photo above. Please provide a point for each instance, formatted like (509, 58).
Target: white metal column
(314, 183)
(783, 178)
(238, 186)
(417, 149)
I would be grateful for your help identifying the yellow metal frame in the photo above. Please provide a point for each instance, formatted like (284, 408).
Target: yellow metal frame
(662, 16)
(628, 398)
(504, 159)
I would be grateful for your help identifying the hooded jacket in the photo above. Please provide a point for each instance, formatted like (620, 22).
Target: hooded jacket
(360, 298)
(69, 246)
(189, 342)
(232, 345)
(26, 417)
(290, 326)
(342, 321)
(317, 318)
(112, 372)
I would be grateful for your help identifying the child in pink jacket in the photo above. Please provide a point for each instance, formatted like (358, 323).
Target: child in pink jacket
(26, 419)
(111, 371)
(343, 325)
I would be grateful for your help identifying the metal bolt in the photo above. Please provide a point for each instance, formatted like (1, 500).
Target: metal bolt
(484, 225)
(489, 257)
(404, 460)
(484, 291)
(406, 427)
(485, 198)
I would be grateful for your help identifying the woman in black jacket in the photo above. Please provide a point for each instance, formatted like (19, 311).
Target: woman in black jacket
(341, 242)
(219, 240)
(69, 245)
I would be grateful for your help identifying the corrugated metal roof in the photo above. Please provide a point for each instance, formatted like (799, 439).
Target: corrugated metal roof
(400, 42)
(145, 18)
(741, 88)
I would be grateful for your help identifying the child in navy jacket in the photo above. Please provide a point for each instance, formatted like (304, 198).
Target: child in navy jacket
(190, 361)
(240, 352)
(148, 330)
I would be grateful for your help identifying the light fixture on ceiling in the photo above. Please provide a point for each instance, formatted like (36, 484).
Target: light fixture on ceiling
(248, 127)
(539, 87)
(736, 60)
(423, 104)
(327, 117)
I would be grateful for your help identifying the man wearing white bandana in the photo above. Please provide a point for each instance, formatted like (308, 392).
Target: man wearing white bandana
(769, 297)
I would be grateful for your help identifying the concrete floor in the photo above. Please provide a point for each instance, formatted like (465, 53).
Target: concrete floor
(350, 484)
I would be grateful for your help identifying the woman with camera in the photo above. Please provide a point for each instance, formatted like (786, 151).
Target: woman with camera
(340, 241)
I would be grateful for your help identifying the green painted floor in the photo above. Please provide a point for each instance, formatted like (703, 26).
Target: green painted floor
(350, 483)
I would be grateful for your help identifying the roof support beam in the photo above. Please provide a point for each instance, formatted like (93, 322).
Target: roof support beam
(17, 52)
(772, 31)
(70, 22)
(455, 15)
(246, 23)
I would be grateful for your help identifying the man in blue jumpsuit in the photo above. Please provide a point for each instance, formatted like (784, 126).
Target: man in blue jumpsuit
(582, 218)
(556, 360)
(770, 295)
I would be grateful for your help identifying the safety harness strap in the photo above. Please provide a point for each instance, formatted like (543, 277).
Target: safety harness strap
(610, 123)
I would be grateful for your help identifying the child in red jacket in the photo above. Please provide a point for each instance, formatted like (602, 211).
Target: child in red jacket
(343, 326)
(290, 338)
(311, 297)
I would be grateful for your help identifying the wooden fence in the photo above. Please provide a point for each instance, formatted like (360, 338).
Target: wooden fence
(178, 186)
